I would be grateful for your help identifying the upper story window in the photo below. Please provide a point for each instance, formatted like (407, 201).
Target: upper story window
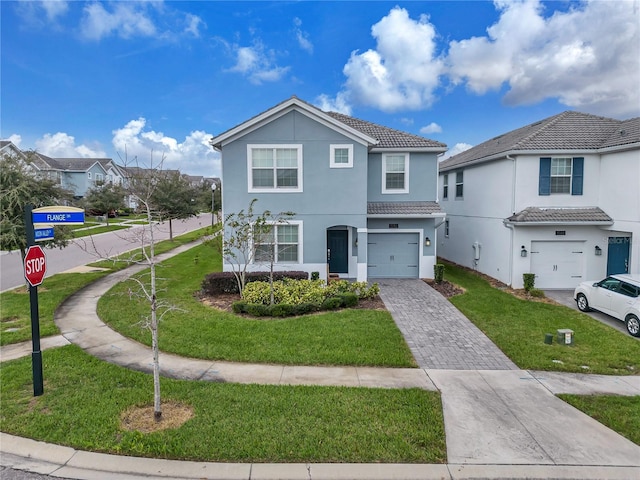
(561, 175)
(395, 173)
(341, 156)
(274, 168)
(99, 177)
(459, 184)
(279, 243)
(446, 228)
(445, 186)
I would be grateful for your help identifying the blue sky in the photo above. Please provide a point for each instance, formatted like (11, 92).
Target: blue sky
(83, 79)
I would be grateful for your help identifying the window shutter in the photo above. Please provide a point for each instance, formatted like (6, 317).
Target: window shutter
(544, 182)
(577, 175)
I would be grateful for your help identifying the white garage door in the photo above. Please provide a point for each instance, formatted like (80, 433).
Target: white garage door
(557, 264)
(393, 255)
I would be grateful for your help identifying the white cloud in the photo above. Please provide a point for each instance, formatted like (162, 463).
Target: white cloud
(54, 8)
(431, 128)
(193, 25)
(256, 63)
(61, 145)
(302, 36)
(338, 104)
(194, 155)
(15, 139)
(402, 72)
(456, 149)
(39, 14)
(126, 19)
(587, 57)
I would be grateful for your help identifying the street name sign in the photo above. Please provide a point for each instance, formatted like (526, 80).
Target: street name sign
(35, 265)
(44, 233)
(58, 215)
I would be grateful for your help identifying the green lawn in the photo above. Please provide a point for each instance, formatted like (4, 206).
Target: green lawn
(84, 398)
(518, 328)
(621, 414)
(347, 337)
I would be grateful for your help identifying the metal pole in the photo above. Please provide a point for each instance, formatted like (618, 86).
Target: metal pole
(36, 354)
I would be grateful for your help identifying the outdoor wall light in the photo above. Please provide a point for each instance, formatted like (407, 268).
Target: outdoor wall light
(523, 252)
(356, 244)
(427, 242)
(598, 251)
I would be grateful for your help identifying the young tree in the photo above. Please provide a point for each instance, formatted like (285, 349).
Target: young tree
(247, 239)
(19, 186)
(174, 199)
(105, 198)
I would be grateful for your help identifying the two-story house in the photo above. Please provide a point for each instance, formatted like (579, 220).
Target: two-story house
(559, 198)
(364, 195)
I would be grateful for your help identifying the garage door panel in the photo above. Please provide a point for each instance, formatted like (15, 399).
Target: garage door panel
(557, 264)
(393, 255)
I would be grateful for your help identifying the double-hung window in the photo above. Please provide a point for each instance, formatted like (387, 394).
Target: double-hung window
(395, 173)
(341, 156)
(274, 168)
(445, 186)
(561, 175)
(277, 243)
(99, 178)
(459, 184)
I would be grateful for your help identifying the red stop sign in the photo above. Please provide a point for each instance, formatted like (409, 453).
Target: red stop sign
(35, 265)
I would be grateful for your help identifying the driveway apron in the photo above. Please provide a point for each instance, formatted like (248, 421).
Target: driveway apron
(438, 334)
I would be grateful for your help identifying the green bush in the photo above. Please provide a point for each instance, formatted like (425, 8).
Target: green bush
(348, 299)
(315, 275)
(536, 292)
(529, 280)
(331, 303)
(280, 310)
(305, 308)
(239, 306)
(361, 289)
(438, 272)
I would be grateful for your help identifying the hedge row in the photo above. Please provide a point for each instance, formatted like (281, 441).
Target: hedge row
(287, 310)
(225, 282)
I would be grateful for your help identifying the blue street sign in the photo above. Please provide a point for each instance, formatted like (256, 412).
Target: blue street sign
(58, 215)
(43, 234)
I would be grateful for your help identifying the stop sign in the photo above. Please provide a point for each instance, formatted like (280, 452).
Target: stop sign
(35, 265)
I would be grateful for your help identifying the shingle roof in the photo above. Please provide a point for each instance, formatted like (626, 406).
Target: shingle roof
(565, 131)
(561, 216)
(387, 137)
(403, 208)
(80, 164)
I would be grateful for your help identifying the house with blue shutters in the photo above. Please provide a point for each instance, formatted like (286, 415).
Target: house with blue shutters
(364, 195)
(559, 198)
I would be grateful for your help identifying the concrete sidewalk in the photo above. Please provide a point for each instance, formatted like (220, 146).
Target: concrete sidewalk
(500, 422)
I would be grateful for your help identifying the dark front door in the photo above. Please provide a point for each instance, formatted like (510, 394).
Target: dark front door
(338, 251)
(618, 255)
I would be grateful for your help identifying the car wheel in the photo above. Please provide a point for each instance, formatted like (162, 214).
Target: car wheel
(633, 325)
(583, 303)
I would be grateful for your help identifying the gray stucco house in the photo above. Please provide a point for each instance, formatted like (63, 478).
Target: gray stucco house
(364, 195)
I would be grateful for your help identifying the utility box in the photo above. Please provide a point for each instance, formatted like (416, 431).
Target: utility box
(564, 336)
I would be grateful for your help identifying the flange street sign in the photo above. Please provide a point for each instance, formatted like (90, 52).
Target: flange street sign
(35, 265)
(58, 215)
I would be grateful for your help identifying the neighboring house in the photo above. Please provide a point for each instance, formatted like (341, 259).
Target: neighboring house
(364, 195)
(559, 198)
(8, 148)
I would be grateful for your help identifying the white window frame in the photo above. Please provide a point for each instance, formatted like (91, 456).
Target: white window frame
(392, 191)
(275, 188)
(446, 228)
(445, 186)
(569, 176)
(332, 161)
(460, 184)
(297, 223)
(99, 177)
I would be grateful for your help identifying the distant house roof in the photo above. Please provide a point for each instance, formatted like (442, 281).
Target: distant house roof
(560, 216)
(403, 208)
(371, 134)
(565, 131)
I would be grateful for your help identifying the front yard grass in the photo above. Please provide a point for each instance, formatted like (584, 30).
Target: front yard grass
(84, 398)
(347, 337)
(518, 328)
(621, 414)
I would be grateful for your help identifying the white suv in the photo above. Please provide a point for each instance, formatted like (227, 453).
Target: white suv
(616, 295)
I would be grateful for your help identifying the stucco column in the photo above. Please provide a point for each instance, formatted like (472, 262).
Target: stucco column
(362, 255)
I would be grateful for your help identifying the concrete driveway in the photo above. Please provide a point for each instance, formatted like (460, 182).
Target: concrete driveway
(565, 297)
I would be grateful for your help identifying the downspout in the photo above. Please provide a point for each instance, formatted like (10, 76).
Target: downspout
(513, 211)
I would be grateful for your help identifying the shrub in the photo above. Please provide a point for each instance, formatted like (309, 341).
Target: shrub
(239, 306)
(536, 292)
(529, 280)
(348, 300)
(257, 310)
(225, 282)
(331, 303)
(361, 289)
(438, 272)
(315, 275)
(280, 310)
(305, 308)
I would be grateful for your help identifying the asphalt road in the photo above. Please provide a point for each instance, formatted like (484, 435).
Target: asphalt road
(90, 249)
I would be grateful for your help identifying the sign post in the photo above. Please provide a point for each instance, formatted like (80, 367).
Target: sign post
(35, 266)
